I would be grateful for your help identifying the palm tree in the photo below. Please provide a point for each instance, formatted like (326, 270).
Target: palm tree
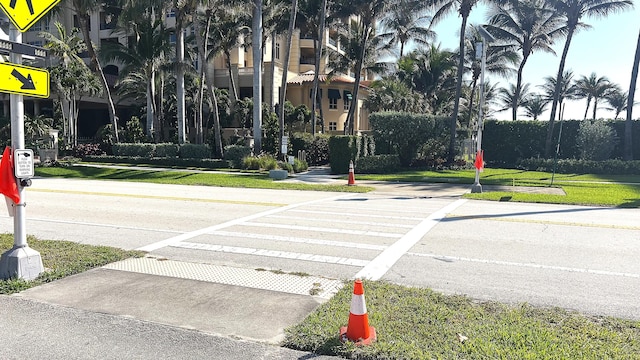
(285, 66)
(83, 10)
(567, 88)
(256, 46)
(360, 37)
(510, 97)
(592, 88)
(66, 47)
(617, 99)
(628, 144)
(430, 72)
(530, 24)
(535, 106)
(313, 19)
(148, 49)
(406, 22)
(573, 11)
(464, 8)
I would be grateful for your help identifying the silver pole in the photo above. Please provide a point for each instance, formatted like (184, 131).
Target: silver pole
(17, 142)
(477, 187)
(21, 261)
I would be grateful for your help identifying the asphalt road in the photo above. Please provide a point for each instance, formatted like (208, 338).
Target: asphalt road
(209, 246)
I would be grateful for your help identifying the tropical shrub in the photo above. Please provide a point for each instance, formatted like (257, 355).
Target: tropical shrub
(378, 164)
(596, 140)
(235, 154)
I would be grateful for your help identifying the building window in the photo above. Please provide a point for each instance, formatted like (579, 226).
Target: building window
(171, 13)
(36, 43)
(107, 21)
(333, 126)
(278, 50)
(347, 99)
(333, 95)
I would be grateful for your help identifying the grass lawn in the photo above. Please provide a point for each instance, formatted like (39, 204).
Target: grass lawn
(580, 189)
(244, 180)
(415, 323)
(61, 259)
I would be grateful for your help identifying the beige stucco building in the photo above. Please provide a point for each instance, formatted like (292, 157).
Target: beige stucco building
(335, 90)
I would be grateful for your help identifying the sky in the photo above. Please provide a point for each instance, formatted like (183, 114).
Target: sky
(607, 49)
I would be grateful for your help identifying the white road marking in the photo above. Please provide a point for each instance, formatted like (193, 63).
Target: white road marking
(338, 221)
(332, 213)
(323, 230)
(527, 265)
(272, 253)
(192, 234)
(300, 240)
(395, 208)
(383, 262)
(104, 225)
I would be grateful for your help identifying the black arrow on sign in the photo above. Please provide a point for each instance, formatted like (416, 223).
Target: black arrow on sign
(27, 82)
(12, 5)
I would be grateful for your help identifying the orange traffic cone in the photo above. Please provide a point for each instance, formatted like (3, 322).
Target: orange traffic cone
(352, 177)
(358, 328)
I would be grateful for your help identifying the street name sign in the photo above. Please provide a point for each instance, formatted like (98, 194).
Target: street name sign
(8, 47)
(25, 13)
(24, 80)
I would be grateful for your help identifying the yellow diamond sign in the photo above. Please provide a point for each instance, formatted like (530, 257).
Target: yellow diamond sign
(24, 13)
(24, 80)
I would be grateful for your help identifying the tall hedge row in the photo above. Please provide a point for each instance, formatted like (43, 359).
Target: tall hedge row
(507, 142)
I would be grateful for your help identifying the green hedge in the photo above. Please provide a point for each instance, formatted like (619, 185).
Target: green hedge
(378, 164)
(165, 162)
(167, 150)
(505, 143)
(235, 154)
(342, 150)
(195, 151)
(576, 166)
(134, 150)
(406, 134)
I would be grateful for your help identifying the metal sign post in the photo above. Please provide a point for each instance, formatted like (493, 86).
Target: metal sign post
(21, 261)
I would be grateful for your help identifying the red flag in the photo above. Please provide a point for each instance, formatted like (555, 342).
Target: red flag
(479, 162)
(8, 184)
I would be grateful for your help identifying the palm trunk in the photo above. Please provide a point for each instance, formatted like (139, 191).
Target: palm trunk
(516, 95)
(456, 102)
(202, 45)
(218, 148)
(474, 84)
(350, 127)
(595, 107)
(96, 67)
(150, 106)
(316, 74)
(182, 133)
(556, 94)
(285, 68)
(256, 45)
(273, 67)
(232, 83)
(586, 110)
(628, 124)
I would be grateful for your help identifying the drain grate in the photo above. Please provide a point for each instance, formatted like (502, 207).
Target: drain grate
(256, 279)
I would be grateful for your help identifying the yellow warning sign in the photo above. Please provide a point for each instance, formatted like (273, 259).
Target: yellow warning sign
(24, 13)
(24, 80)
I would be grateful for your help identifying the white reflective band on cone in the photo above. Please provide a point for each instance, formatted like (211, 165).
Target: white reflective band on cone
(358, 305)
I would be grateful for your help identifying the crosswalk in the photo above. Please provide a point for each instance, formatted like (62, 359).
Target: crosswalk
(339, 238)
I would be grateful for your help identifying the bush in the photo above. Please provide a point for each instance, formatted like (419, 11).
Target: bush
(378, 164)
(578, 166)
(596, 140)
(167, 162)
(285, 166)
(83, 150)
(299, 165)
(235, 154)
(134, 150)
(251, 163)
(167, 150)
(268, 162)
(405, 134)
(318, 151)
(342, 150)
(195, 151)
